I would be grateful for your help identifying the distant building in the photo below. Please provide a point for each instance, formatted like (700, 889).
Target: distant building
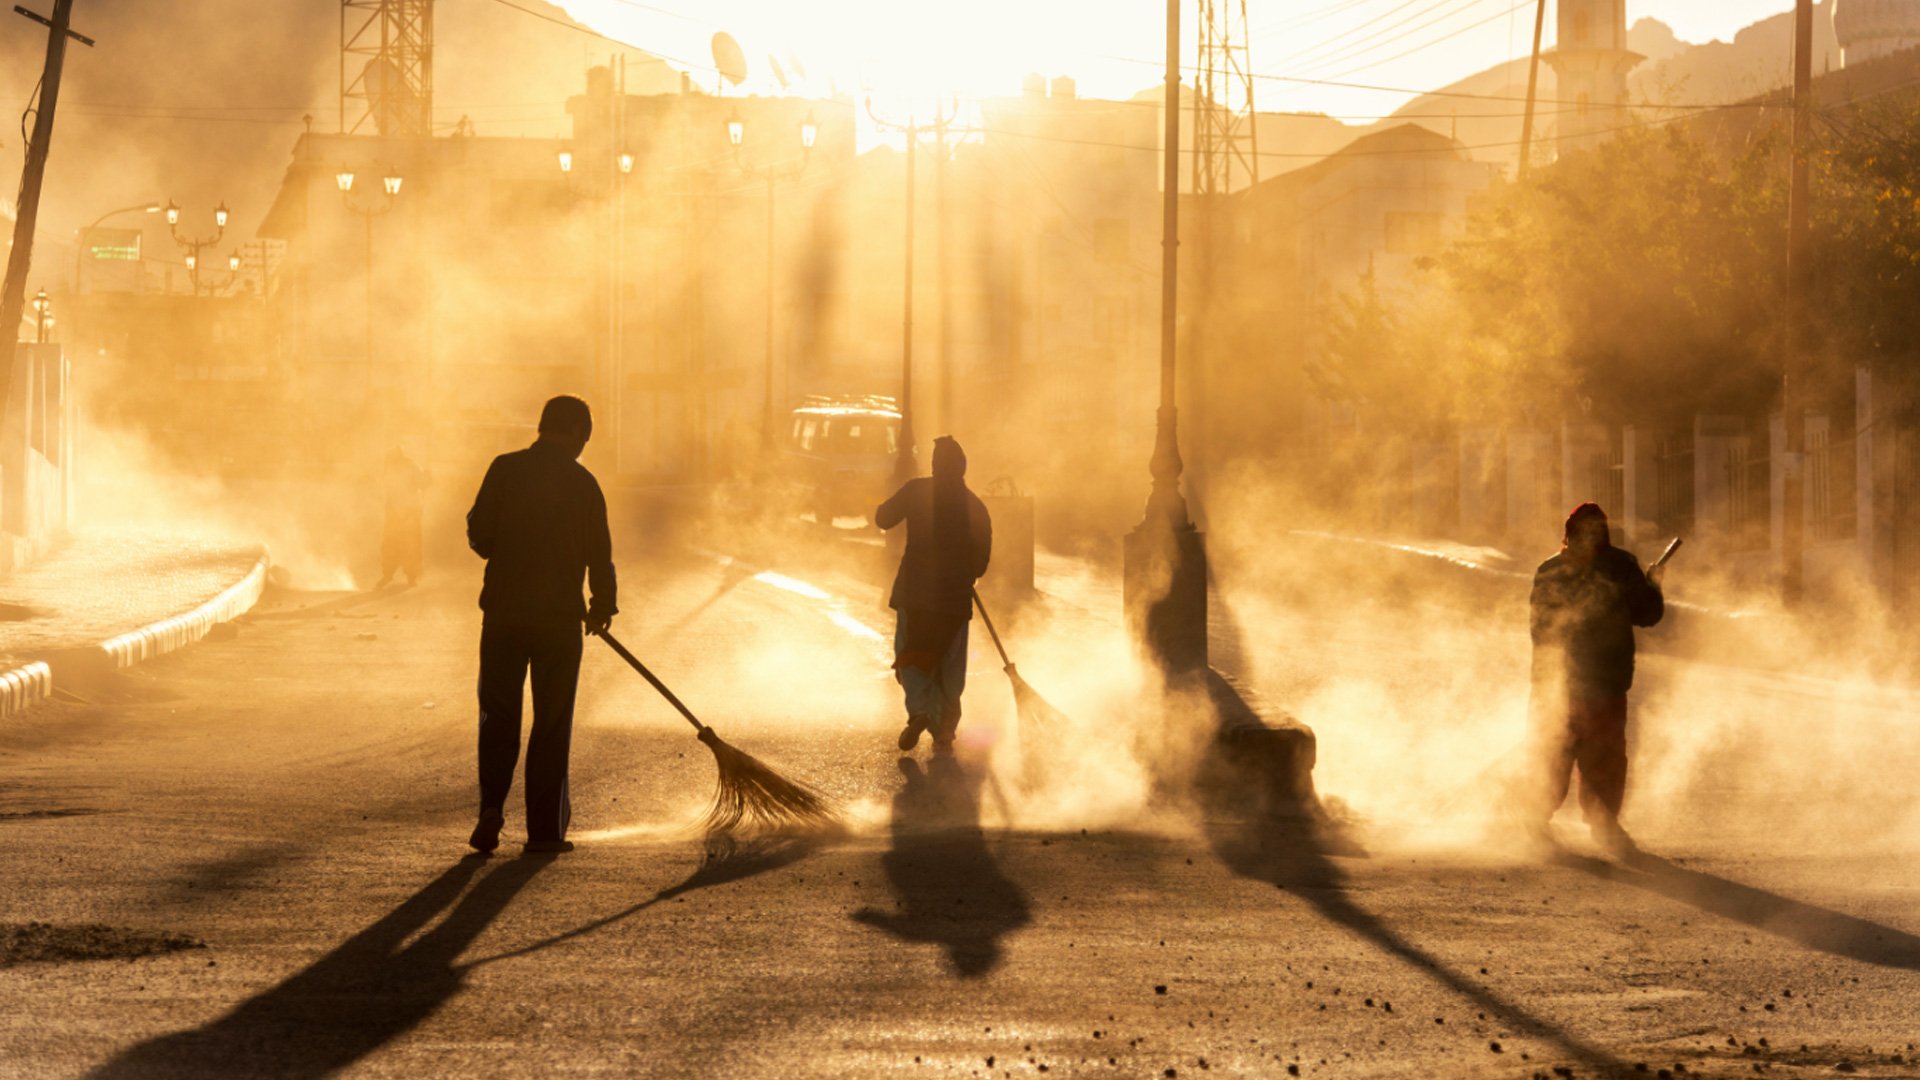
(621, 263)
(1303, 241)
(1591, 61)
(1871, 29)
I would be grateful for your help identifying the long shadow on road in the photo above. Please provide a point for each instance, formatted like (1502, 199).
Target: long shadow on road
(1299, 857)
(951, 892)
(1814, 927)
(731, 862)
(367, 992)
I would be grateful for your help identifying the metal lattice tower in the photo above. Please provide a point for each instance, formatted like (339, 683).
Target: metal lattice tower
(1226, 152)
(386, 66)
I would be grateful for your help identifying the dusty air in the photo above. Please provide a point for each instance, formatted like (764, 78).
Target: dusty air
(1108, 538)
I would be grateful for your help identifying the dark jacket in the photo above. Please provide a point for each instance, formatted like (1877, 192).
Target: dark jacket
(939, 567)
(541, 523)
(1587, 614)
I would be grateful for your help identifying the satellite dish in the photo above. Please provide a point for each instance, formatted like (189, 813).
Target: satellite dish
(779, 73)
(729, 58)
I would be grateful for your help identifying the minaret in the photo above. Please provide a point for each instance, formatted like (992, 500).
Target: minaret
(1591, 60)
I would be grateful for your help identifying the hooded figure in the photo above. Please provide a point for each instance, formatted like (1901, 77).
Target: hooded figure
(1586, 601)
(949, 540)
(400, 544)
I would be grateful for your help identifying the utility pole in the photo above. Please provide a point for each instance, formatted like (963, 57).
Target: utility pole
(904, 463)
(944, 416)
(1793, 366)
(1533, 87)
(13, 300)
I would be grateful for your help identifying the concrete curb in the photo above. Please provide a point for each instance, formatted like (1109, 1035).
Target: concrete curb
(179, 631)
(23, 686)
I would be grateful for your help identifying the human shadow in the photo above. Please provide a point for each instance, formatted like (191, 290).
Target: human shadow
(728, 860)
(1297, 855)
(1805, 924)
(373, 988)
(951, 892)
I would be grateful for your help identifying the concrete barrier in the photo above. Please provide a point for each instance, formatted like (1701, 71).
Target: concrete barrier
(178, 631)
(23, 686)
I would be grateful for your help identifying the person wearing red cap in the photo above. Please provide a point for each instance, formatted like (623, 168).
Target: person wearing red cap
(1586, 602)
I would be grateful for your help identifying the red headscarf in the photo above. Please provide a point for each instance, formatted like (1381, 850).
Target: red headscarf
(1582, 513)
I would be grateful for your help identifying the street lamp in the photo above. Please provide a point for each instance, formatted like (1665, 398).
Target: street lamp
(194, 244)
(736, 134)
(42, 317)
(566, 161)
(1165, 574)
(389, 191)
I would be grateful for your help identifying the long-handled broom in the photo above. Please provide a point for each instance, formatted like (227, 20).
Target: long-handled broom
(750, 792)
(1038, 718)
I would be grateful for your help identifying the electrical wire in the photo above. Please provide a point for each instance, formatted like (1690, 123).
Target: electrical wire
(1427, 45)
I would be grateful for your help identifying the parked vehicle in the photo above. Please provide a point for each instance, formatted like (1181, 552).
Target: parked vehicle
(841, 451)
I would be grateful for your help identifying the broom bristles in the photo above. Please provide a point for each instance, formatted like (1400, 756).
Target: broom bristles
(1035, 711)
(753, 796)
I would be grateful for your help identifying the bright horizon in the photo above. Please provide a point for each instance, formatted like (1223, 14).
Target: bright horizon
(907, 51)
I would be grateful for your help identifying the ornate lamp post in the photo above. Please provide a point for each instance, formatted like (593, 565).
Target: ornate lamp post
(1165, 582)
(389, 191)
(736, 134)
(192, 245)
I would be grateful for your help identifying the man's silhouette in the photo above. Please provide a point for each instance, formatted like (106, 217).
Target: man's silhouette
(949, 540)
(541, 524)
(1586, 602)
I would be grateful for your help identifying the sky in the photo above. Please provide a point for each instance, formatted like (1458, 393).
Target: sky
(908, 53)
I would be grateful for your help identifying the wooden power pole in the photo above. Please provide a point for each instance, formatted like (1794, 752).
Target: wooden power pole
(1533, 87)
(20, 260)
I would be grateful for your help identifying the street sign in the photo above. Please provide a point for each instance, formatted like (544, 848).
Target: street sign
(110, 260)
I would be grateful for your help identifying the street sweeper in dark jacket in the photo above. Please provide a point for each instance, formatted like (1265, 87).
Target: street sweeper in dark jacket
(1587, 600)
(949, 541)
(540, 521)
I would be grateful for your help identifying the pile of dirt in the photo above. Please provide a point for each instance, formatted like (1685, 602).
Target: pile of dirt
(37, 942)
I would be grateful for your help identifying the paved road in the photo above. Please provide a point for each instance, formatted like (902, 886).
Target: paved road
(296, 799)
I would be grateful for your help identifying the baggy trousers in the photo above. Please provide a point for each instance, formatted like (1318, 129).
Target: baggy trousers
(1594, 739)
(932, 690)
(508, 651)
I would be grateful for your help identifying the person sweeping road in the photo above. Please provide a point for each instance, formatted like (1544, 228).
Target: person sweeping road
(1586, 602)
(540, 521)
(949, 542)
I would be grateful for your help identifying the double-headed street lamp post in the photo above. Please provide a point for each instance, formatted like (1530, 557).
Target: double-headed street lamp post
(736, 134)
(194, 244)
(390, 190)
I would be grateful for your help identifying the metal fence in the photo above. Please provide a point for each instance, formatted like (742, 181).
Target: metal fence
(1749, 518)
(1673, 474)
(1607, 479)
(1832, 500)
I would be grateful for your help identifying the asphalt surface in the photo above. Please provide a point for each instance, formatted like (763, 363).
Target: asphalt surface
(247, 859)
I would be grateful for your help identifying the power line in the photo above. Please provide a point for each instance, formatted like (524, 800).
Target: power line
(1358, 28)
(1386, 36)
(1430, 44)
